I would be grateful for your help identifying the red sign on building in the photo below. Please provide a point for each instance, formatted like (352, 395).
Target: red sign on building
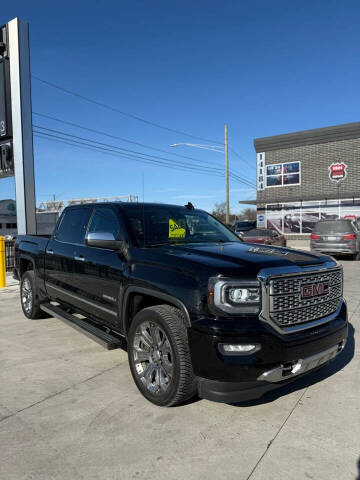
(337, 171)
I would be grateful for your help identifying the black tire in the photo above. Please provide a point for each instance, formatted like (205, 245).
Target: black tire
(173, 356)
(29, 298)
(356, 256)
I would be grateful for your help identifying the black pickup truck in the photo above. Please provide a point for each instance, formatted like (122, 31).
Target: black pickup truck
(198, 310)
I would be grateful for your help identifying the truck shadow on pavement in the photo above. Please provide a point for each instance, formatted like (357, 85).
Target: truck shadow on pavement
(309, 379)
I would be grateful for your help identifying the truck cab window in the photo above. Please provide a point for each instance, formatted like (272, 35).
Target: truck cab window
(73, 226)
(105, 220)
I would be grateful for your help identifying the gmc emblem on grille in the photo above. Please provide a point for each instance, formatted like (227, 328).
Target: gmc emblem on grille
(315, 289)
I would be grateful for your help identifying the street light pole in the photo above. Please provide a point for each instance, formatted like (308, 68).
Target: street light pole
(227, 214)
(218, 149)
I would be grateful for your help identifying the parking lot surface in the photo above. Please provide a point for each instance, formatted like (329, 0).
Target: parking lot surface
(70, 410)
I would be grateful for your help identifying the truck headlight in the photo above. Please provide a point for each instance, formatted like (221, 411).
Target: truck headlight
(233, 296)
(246, 295)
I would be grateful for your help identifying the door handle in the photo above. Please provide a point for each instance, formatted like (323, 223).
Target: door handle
(50, 252)
(79, 259)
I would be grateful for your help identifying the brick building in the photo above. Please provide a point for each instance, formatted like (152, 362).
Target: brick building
(306, 176)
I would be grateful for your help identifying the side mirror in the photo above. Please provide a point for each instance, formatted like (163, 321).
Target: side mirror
(103, 240)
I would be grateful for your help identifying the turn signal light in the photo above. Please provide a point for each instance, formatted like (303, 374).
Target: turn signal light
(313, 236)
(350, 236)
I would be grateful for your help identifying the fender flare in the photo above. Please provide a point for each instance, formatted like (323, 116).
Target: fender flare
(30, 259)
(152, 293)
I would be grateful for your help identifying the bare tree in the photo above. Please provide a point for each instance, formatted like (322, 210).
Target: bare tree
(247, 214)
(219, 212)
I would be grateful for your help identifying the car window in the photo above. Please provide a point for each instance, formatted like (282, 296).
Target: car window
(257, 232)
(73, 225)
(244, 226)
(338, 226)
(105, 219)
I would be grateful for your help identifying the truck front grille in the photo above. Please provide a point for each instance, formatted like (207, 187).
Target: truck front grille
(286, 305)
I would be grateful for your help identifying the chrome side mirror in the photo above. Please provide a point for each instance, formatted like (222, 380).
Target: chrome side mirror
(103, 240)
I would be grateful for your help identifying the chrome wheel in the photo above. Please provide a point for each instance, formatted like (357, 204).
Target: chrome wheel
(153, 357)
(27, 296)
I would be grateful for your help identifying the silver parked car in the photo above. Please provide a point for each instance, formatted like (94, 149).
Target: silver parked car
(336, 237)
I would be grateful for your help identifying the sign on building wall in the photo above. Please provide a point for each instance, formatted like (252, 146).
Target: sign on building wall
(338, 171)
(260, 171)
(260, 220)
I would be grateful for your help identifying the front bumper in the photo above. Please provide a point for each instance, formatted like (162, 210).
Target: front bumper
(281, 359)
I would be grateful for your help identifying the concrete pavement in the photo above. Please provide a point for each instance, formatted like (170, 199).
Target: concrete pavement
(70, 410)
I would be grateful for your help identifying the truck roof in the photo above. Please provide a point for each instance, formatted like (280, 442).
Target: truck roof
(131, 204)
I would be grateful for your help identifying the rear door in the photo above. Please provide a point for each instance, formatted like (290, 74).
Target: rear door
(99, 272)
(61, 252)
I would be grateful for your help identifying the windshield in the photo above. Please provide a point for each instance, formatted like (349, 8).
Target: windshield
(257, 232)
(158, 225)
(338, 226)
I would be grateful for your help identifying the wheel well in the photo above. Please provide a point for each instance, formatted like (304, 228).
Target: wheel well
(25, 265)
(139, 301)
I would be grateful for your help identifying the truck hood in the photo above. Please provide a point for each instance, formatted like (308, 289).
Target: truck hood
(232, 257)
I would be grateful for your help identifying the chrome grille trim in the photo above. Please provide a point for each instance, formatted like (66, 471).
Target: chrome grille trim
(282, 306)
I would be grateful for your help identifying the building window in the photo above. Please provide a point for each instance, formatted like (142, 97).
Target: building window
(283, 174)
(11, 225)
(301, 217)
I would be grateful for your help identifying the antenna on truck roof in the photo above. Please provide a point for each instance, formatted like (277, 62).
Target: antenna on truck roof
(189, 206)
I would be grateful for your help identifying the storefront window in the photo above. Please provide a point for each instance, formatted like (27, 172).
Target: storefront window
(283, 174)
(301, 217)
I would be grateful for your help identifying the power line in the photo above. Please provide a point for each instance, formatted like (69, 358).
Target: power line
(108, 145)
(160, 162)
(241, 157)
(130, 115)
(113, 109)
(100, 132)
(141, 153)
(118, 154)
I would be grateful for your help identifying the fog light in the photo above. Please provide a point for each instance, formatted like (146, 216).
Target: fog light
(239, 348)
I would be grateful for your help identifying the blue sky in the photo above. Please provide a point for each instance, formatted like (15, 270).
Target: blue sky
(264, 68)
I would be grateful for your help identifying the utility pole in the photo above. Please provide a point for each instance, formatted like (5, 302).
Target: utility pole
(227, 219)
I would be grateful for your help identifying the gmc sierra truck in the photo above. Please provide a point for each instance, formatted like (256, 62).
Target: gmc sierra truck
(199, 311)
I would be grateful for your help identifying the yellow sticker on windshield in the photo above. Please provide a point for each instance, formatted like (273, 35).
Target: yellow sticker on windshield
(175, 231)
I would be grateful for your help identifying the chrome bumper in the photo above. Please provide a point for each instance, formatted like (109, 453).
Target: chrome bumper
(291, 369)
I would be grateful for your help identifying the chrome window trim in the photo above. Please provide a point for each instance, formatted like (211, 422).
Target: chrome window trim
(267, 274)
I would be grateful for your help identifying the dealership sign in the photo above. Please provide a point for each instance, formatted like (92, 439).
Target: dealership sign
(337, 171)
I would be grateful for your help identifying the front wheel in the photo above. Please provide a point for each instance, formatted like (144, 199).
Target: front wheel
(159, 356)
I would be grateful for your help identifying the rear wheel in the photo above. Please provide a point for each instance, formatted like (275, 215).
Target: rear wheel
(159, 356)
(29, 298)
